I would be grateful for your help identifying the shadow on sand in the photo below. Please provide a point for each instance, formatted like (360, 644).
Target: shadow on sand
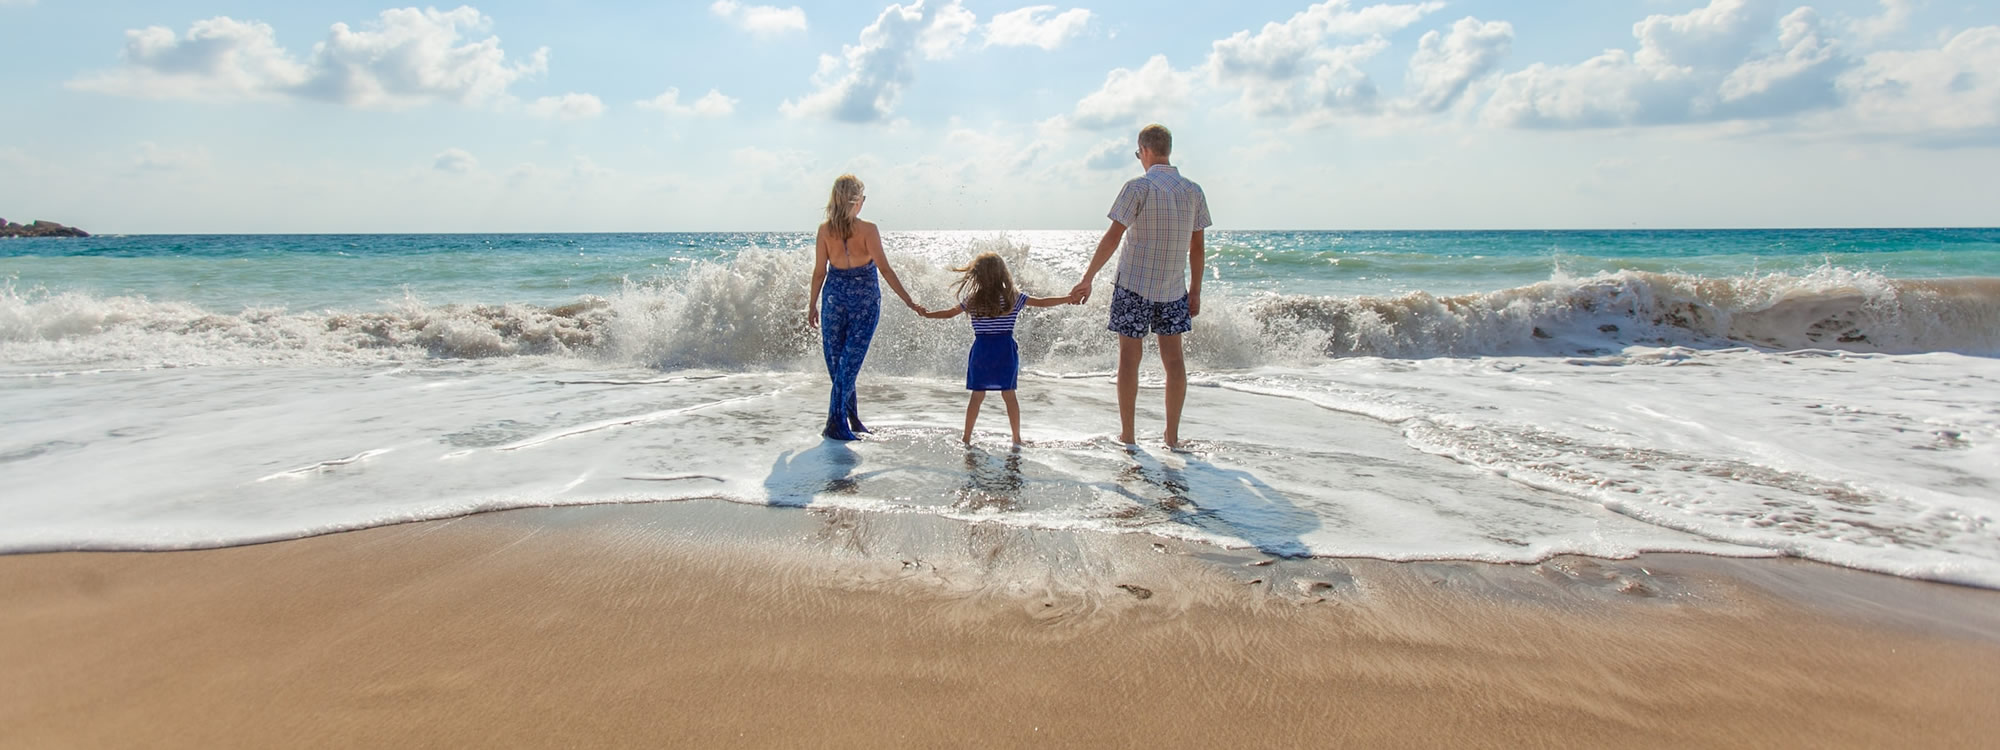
(1227, 502)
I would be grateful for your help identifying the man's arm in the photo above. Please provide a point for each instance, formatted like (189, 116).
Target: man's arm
(1197, 255)
(1105, 247)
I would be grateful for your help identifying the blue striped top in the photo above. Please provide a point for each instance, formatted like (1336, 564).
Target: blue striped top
(999, 324)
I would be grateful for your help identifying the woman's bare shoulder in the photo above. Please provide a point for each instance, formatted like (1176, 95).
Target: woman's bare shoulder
(867, 228)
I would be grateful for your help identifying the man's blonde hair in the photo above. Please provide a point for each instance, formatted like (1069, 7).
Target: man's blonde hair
(1157, 139)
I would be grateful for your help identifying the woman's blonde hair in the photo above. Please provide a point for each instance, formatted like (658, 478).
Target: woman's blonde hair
(841, 205)
(987, 287)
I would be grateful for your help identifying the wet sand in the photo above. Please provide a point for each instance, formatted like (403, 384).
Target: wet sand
(708, 624)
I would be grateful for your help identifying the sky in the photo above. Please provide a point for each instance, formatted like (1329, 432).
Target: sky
(228, 116)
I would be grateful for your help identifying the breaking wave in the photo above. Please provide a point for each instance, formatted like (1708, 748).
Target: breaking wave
(749, 314)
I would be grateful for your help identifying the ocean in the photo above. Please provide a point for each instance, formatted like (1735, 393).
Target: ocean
(1493, 396)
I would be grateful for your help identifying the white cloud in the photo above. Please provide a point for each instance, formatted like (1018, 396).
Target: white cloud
(1800, 75)
(712, 104)
(762, 20)
(1130, 96)
(407, 57)
(1028, 28)
(1446, 64)
(1112, 154)
(567, 107)
(454, 161)
(864, 83)
(412, 56)
(1700, 66)
(220, 58)
(1289, 68)
(947, 32)
(1943, 96)
(1895, 17)
(152, 157)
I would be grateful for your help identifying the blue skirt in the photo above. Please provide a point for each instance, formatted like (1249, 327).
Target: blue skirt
(994, 365)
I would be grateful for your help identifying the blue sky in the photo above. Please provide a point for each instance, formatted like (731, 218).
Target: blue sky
(532, 115)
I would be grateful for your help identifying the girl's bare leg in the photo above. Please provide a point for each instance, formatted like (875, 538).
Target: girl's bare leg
(1013, 414)
(972, 415)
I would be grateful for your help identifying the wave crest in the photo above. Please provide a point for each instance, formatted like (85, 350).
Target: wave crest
(749, 313)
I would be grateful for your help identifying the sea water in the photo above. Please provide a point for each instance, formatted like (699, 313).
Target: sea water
(1499, 396)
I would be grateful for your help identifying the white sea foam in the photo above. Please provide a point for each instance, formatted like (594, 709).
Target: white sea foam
(748, 314)
(1502, 459)
(1835, 415)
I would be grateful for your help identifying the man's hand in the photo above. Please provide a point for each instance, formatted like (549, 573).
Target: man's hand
(1080, 293)
(1194, 303)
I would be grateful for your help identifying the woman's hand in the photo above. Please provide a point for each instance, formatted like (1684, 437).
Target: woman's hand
(812, 315)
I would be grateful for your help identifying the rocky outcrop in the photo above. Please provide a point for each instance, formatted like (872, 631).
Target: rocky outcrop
(39, 229)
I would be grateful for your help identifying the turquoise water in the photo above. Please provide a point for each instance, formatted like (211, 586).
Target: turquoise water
(226, 273)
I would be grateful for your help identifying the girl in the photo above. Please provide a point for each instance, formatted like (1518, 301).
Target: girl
(846, 256)
(988, 294)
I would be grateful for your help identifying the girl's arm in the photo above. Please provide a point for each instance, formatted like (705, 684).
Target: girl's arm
(949, 312)
(818, 279)
(882, 262)
(1049, 301)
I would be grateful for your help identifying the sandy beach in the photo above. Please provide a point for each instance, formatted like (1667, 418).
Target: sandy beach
(710, 624)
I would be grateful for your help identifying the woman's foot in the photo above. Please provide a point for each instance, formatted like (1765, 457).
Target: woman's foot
(837, 430)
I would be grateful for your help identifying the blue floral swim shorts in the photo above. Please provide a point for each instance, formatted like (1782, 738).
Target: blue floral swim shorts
(1135, 316)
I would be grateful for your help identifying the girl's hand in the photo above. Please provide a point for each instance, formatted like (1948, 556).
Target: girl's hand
(812, 315)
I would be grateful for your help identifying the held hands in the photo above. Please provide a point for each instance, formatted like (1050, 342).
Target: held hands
(1080, 293)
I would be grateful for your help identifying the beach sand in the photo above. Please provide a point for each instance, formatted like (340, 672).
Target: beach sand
(708, 624)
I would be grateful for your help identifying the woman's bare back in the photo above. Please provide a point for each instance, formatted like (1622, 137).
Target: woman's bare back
(852, 253)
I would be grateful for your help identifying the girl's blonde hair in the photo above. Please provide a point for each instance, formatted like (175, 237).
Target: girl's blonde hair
(987, 288)
(841, 205)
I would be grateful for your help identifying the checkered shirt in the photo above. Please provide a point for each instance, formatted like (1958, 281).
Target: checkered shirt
(1161, 211)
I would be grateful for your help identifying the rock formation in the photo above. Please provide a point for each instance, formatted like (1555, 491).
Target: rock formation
(39, 229)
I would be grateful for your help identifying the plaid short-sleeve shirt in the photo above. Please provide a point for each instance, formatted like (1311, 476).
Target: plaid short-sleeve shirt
(1161, 211)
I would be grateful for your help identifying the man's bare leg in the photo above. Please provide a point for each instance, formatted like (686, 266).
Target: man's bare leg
(1176, 367)
(1130, 350)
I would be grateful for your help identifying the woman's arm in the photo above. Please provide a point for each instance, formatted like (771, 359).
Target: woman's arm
(818, 279)
(882, 262)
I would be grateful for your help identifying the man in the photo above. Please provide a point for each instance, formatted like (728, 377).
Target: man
(1160, 216)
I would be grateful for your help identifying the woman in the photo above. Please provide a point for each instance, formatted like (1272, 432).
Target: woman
(846, 255)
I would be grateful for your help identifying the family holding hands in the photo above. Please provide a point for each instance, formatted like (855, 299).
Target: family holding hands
(1159, 217)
